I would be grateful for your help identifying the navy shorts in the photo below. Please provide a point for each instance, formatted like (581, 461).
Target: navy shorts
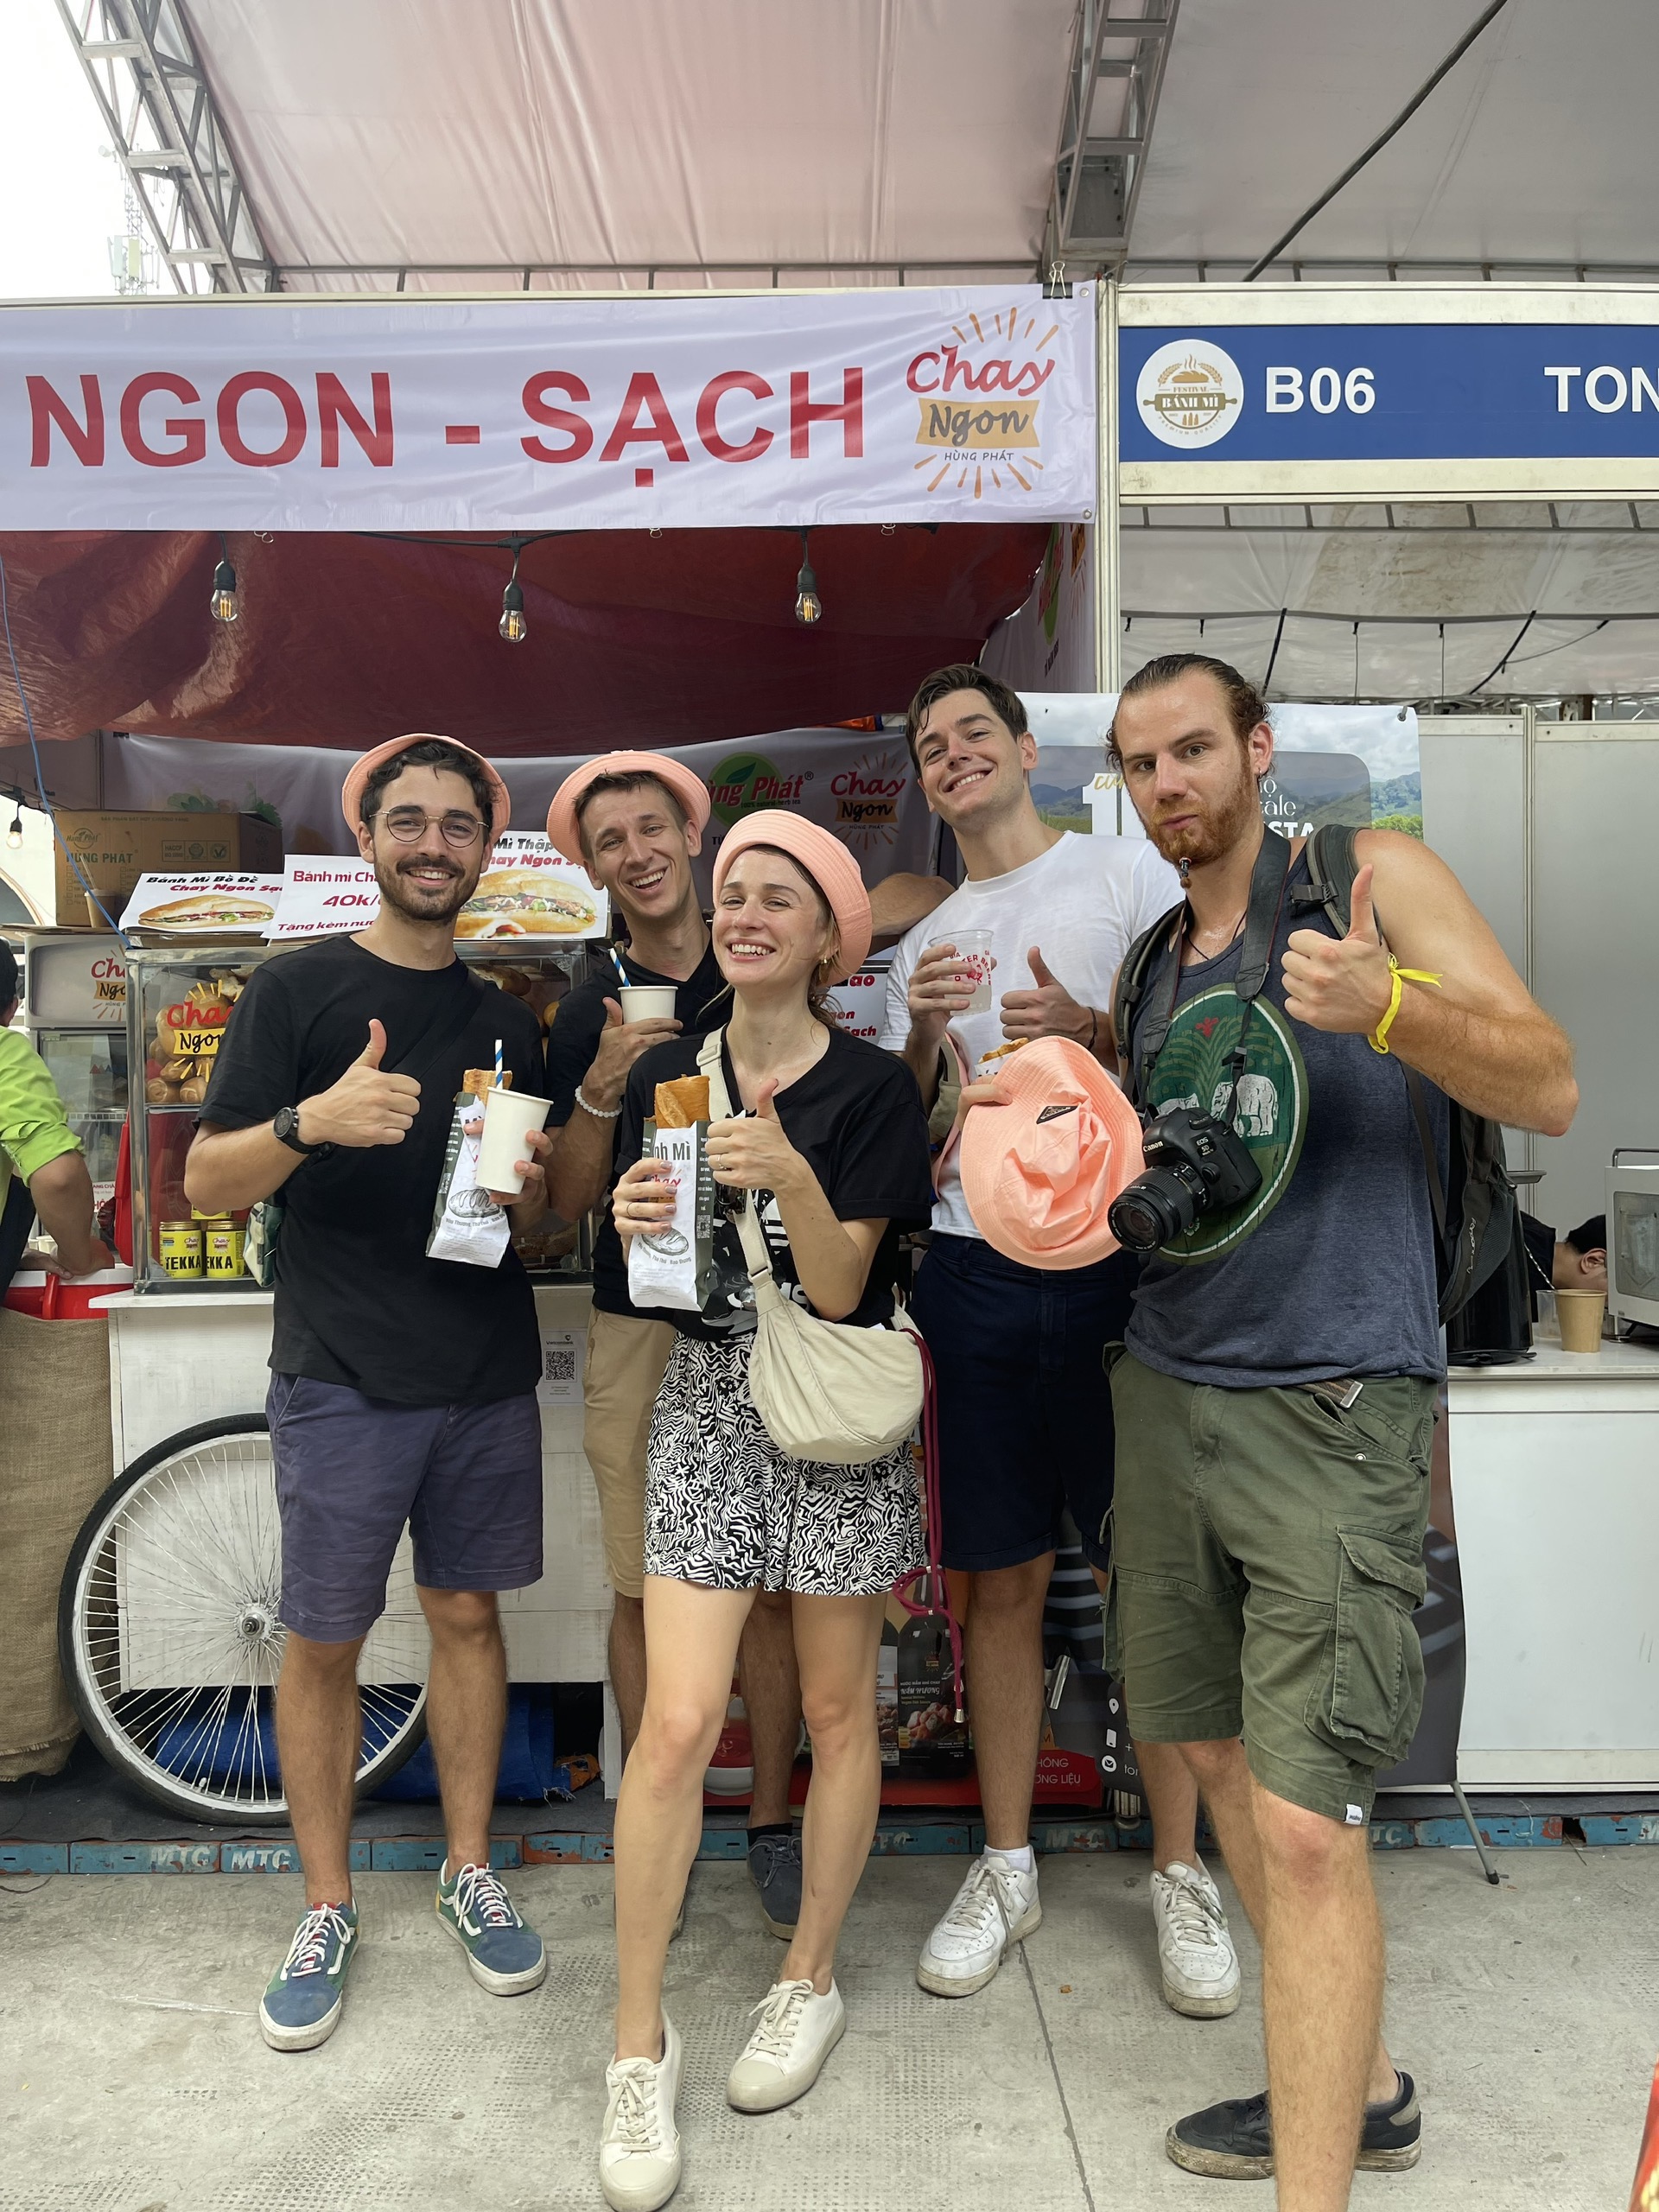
(353, 1471)
(1025, 1402)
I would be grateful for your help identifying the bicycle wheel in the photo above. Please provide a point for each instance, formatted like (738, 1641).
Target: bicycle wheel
(170, 1640)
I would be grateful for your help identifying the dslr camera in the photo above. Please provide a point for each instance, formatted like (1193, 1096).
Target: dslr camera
(1194, 1162)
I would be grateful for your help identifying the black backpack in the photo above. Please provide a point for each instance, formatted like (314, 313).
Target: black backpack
(1475, 1215)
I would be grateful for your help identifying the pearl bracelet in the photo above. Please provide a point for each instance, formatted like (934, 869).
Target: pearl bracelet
(598, 1112)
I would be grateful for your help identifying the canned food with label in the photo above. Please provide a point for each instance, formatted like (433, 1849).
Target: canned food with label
(181, 1248)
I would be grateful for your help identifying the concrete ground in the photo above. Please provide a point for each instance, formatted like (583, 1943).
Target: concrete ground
(132, 2078)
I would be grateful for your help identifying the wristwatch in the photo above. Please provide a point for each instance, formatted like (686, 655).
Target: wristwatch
(286, 1129)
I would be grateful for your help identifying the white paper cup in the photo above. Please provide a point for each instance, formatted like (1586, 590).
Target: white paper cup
(509, 1118)
(973, 949)
(646, 1002)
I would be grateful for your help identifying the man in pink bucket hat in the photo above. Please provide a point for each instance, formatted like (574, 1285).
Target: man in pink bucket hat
(402, 1389)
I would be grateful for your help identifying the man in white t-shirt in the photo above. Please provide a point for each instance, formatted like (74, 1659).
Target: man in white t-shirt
(1025, 1404)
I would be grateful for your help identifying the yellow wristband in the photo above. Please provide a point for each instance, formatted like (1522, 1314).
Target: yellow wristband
(1378, 1039)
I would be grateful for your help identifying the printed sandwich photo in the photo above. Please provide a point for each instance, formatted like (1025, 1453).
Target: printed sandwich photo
(525, 902)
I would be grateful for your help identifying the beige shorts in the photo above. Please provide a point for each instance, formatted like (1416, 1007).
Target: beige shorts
(626, 1360)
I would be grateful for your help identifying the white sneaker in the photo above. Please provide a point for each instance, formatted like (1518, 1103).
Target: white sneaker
(995, 1906)
(1196, 1956)
(796, 2033)
(639, 2150)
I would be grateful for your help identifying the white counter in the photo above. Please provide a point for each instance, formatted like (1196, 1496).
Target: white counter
(180, 1358)
(1556, 1488)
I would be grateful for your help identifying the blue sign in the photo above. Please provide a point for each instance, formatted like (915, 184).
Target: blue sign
(1389, 391)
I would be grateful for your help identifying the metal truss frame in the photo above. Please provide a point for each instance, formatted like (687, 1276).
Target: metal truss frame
(168, 134)
(1097, 175)
(670, 275)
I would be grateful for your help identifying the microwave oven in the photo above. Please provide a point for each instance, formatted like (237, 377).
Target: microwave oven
(1633, 1235)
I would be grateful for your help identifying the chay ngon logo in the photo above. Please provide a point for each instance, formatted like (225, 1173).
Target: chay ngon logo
(1189, 393)
(867, 797)
(978, 393)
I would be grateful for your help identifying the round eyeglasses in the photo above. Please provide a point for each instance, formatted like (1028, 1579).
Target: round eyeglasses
(406, 824)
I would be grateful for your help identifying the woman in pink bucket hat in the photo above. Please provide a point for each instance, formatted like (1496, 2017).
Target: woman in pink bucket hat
(829, 1138)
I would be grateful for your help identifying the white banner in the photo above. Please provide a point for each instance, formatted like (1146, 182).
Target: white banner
(780, 410)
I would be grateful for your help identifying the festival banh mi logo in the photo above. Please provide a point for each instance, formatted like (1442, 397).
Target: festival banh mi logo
(1189, 393)
(978, 391)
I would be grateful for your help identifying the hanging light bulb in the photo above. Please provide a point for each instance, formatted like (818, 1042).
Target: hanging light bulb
(512, 625)
(15, 835)
(809, 607)
(224, 603)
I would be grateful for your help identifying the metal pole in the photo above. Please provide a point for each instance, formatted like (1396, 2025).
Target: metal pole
(1109, 641)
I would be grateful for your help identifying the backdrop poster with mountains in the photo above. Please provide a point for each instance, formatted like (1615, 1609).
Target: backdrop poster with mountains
(1354, 764)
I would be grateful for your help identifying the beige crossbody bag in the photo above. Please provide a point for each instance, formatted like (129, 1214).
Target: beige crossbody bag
(823, 1391)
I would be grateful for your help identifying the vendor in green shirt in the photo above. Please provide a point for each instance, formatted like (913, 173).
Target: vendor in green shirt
(37, 1143)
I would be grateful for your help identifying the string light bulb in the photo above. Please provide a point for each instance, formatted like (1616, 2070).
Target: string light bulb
(809, 607)
(224, 603)
(512, 625)
(15, 835)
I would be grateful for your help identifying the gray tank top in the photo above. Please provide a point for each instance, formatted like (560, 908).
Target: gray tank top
(1338, 1277)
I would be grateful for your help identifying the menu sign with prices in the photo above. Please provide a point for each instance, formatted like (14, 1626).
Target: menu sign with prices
(323, 897)
(202, 905)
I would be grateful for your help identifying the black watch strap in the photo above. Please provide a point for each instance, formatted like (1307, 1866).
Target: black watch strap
(286, 1129)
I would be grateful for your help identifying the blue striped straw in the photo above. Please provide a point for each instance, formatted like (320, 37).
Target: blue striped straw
(621, 972)
(498, 1063)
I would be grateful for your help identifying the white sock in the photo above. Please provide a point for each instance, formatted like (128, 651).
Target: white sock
(1022, 1861)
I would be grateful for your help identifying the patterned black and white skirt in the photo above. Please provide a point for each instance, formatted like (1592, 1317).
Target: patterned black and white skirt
(726, 1509)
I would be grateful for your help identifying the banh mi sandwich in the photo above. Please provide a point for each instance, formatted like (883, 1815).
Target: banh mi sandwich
(209, 910)
(479, 1080)
(681, 1104)
(525, 902)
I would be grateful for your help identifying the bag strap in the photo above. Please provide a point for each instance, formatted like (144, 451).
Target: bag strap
(1135, 971)
(711, 1062)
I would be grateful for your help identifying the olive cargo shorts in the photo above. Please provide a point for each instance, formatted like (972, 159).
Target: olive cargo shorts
(1267, 1548)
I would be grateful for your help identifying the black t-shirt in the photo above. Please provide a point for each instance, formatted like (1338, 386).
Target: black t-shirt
(357, 1301)
(856, 1116)
(573, 1042)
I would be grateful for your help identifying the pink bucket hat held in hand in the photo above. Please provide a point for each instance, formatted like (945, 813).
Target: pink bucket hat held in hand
(828, 863)
(1040, 1171)
(351, 791)
(685, 784)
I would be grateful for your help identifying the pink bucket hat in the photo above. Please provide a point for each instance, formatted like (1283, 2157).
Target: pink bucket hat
(828, 863)
(351, 791)
(686, 785)
(1040, 1170)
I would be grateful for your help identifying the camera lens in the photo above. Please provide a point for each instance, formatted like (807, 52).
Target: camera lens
(1158, 1206)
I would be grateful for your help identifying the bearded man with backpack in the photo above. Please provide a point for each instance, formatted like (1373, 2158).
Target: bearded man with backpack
(1350, 1055)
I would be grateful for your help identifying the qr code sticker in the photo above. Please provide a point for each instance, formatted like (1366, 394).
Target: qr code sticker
(563, 1351)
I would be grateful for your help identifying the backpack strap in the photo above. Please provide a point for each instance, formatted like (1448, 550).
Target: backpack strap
(1333, 864)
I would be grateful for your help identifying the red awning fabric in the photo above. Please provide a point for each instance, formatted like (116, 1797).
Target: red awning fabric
(634, 638)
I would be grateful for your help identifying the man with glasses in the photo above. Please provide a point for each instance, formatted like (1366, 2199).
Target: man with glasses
(402, 1388)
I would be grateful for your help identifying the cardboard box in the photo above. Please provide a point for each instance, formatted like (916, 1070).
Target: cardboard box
(114, 850)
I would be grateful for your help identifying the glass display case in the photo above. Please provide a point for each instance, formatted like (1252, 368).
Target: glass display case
(75, 1013)
(178, 999)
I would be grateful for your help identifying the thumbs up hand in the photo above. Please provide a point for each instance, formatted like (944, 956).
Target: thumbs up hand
(1048, 1009)
(753, 1154)
(1340, 984)
(365, 1107)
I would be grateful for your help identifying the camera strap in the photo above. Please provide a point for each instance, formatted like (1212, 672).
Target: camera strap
(1262, 915)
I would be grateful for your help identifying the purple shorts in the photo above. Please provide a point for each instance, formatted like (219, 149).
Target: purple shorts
(351, 1470)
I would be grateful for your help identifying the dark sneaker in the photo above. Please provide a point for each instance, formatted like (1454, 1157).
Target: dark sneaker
(304, 1998)
(502, 1952)
(1234, 2141)
(775, 1865)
